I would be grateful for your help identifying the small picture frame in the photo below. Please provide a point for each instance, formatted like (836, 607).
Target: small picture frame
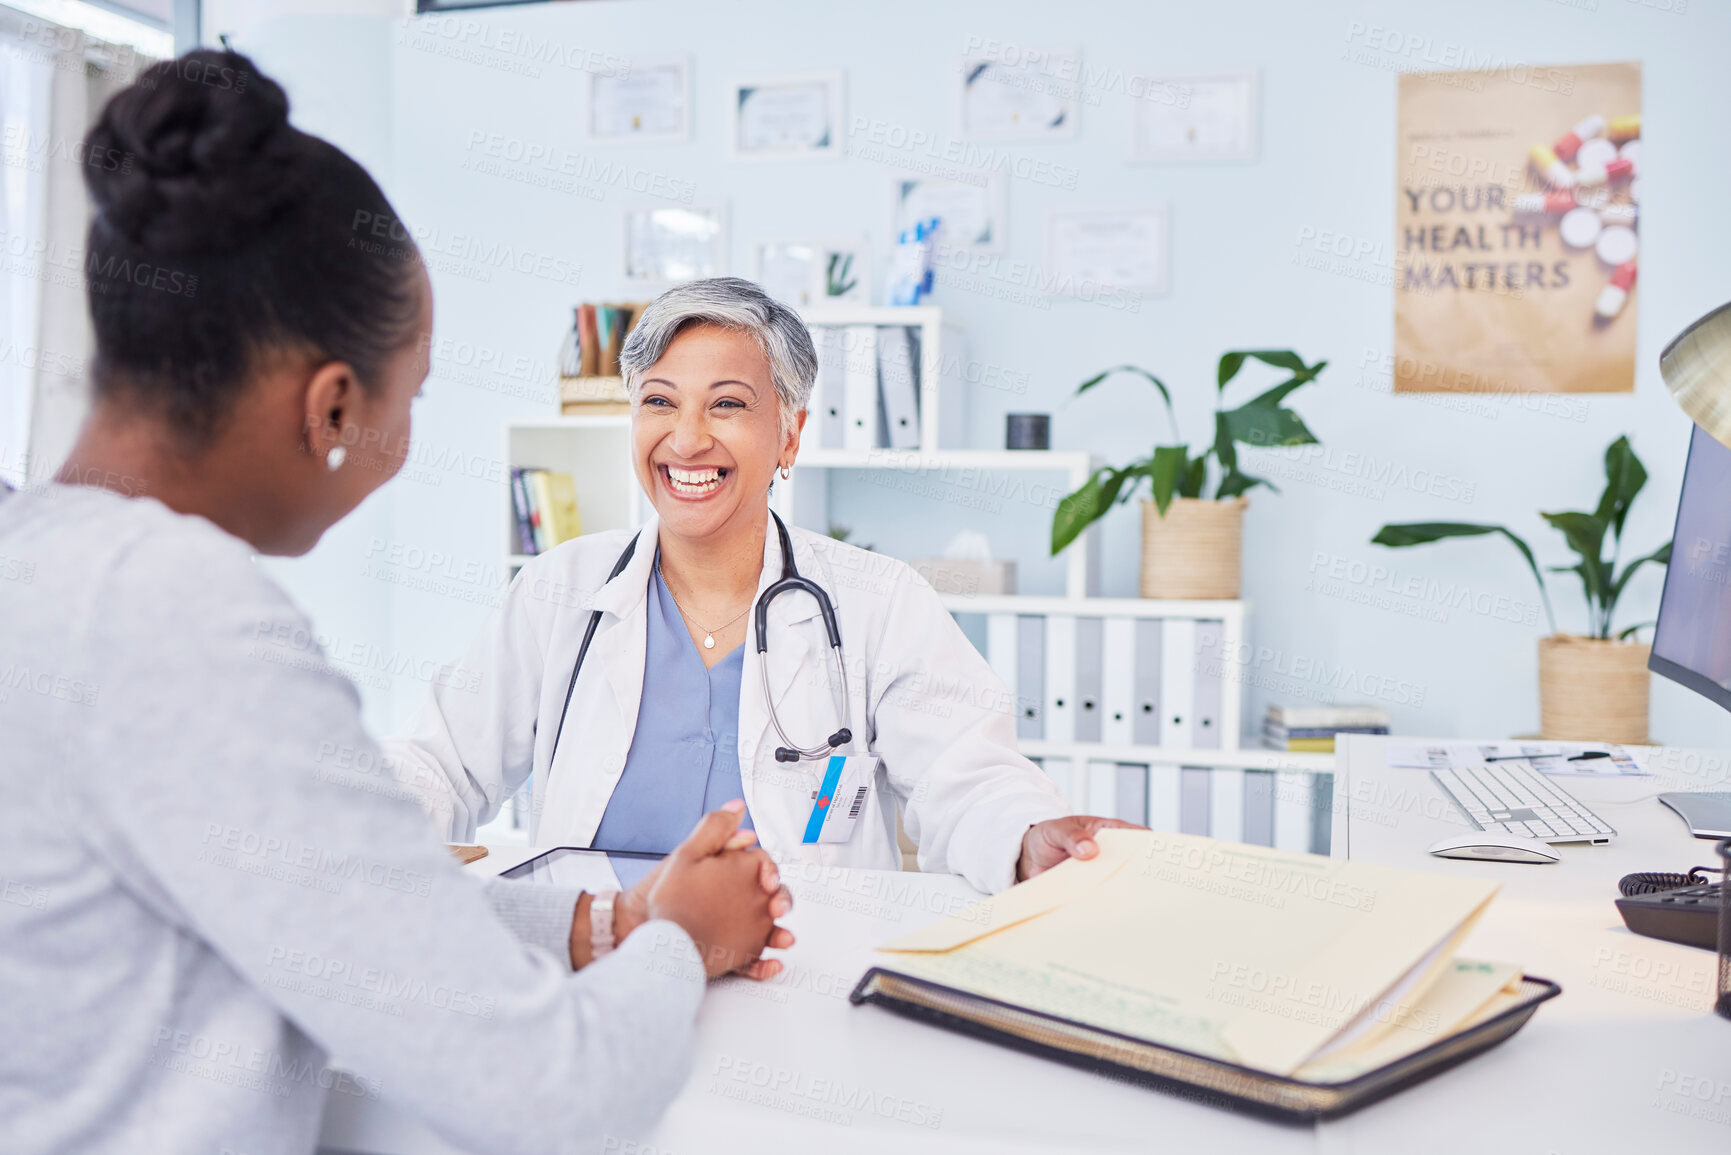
(670, 244)
(786, 118)
(1095, 253)
(1195, 116)
(649, 102)
(968, 205)
(1032, 96)
(814, 271)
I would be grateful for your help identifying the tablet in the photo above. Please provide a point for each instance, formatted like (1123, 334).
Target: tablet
(1708, 814)
(590, 870)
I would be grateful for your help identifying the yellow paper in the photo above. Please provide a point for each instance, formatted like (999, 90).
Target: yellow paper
(1069, 881)
(1463, 989)
(1244, 953)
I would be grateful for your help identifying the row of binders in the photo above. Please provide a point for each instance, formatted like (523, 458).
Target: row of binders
(867, 394)
(1119, 681)
(545, 506)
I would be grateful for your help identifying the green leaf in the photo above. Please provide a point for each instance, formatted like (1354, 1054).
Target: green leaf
(1624, 478)
(1280, 359)
(1231, 363)
(1624, 636)
(1585, 534)
(1275, 395)
(1266, 425)
(1077, 511)
(1662, 555)
(1224, 451)
(1425, 532)
(1235, 483)
(1164, 471)
(1194, 478)
(1165, 394)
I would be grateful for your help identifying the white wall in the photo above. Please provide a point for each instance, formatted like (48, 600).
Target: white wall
(337, 67)
(1241, 236)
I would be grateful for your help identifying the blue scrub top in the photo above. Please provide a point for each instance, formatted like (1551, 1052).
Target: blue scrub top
(684, 759)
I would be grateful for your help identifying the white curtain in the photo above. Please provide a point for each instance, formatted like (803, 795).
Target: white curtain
(53, 83)
(25, 88)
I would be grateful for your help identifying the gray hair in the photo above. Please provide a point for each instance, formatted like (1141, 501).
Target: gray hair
(731, 303)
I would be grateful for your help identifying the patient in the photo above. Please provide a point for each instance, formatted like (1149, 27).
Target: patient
(202, 904)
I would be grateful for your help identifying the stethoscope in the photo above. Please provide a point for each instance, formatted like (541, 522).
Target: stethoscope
(790, 581)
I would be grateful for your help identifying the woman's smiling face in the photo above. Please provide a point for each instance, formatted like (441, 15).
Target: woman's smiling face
(706, 432)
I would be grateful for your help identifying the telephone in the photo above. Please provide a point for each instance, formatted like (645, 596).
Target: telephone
(1675, 907)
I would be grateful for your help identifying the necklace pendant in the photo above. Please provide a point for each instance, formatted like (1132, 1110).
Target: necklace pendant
(709, 641)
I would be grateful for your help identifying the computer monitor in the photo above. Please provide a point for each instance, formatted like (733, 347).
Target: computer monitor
(1692, 642)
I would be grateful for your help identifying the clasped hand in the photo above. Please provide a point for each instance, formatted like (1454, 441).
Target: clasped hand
(720, 887)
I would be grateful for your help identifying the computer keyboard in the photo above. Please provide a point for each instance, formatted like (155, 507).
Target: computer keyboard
(1515, 798)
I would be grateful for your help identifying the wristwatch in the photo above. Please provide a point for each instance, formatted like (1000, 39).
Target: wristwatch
(601, 923)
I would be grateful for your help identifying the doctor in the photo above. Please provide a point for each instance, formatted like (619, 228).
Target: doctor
(672, 709)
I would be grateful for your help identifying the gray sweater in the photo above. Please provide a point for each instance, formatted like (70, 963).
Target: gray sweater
(203, 904)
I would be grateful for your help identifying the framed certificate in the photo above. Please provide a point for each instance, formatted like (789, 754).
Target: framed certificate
(1032, 96)
(667, 244)
(1108, 250)
(817, 271)
(969, 208)
(1198, 116)
(650, 101)
(786, 117)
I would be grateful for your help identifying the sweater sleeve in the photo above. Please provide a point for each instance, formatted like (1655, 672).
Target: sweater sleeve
(537, 914)
(219, 790)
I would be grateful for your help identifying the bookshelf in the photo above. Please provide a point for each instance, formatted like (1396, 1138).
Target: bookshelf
(595, 451)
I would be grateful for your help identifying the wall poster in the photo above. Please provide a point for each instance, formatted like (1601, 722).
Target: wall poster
(1517, 229)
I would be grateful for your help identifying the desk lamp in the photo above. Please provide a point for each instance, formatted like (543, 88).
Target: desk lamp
(1696, 366)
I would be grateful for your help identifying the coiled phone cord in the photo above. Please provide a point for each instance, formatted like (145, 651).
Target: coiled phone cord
(1653, 883)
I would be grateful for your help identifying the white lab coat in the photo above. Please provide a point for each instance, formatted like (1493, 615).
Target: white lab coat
(920, 697)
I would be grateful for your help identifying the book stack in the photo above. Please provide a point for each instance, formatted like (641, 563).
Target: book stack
(589, 377)
(545, 504)
(1312, 729)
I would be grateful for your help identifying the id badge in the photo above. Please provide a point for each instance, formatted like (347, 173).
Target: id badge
(840, 800)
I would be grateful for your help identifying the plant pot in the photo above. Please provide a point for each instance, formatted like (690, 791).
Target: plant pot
(1194, 551)
(1593, 689)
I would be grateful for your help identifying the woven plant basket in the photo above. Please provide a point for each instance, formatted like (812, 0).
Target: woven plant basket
(1593, 690)
(1193, 551)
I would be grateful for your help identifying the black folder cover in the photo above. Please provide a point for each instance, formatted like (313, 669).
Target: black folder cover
(1185, 1073)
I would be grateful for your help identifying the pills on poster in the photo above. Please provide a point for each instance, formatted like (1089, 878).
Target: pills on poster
(1617, 245)
(1579, 228)
(1596, 154)
(1619, 214)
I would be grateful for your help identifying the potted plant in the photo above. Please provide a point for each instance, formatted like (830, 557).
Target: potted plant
(1593, 686)
(1192, 530)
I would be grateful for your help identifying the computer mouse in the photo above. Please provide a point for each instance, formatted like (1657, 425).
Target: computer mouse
(1494, 846)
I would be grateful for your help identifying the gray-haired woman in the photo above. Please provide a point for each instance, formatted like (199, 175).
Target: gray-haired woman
(667, 712)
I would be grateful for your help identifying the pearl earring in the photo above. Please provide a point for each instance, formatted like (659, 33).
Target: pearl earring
(335, 458)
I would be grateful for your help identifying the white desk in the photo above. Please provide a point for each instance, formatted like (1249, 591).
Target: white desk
(1601, 1067)
(985, 1099)
(1618, 1063)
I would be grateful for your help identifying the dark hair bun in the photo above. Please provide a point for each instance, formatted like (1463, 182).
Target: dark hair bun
(223, 235)
(205, 155)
